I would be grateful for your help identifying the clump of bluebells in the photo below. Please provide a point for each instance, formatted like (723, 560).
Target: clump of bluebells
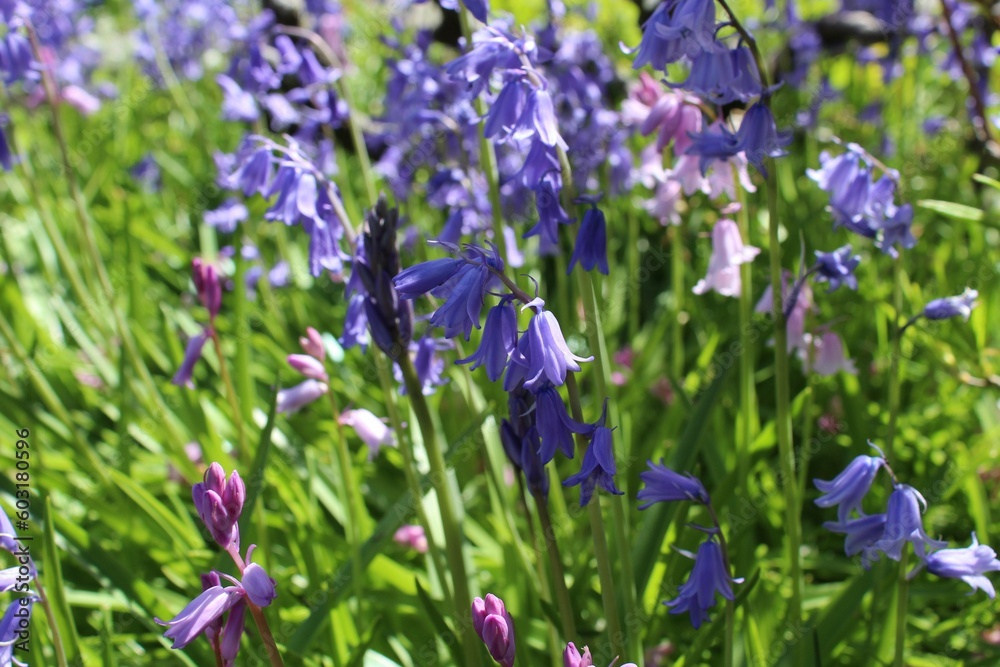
(887, 533)
(219, 612)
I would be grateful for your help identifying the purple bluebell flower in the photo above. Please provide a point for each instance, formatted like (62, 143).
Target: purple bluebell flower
(428, 364)
(226, 217)
(714, 143)
(254, 173)
(969, 564)
(591, 249)
(206, 281)
(709, 576)
(676, 29)
(599, 467)
(6, 157)
(146, 172)
(728, 253)
(862, 534)
(759, 137)
(573, 658)
(828, 356)
(219, 503)
(904, 524)
(664, 485)
(538, 120)
(422, 278)
(192, 353)
(312, 344)
(200, 613)
(896, 231)
(542, 353)
(372, 430)
(13, 627)
(723, 76)
(498, 341)
(295, 398)
(555, 426)
(952, 306)
(495, 627)
(550, 211)
(237, 104)
(478, 8)
(539, 161)
(506, 109)
(259, 587)
(837, 267)
(848, 489)
(533, 466)
(232, 633)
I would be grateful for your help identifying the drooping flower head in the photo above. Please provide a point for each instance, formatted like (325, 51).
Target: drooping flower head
(952, 306)
(848, 489)
(837, 267)
(295, 398)
(969, 564)
(664, 485)
(599, 467)
(904, 523)
(728, 253)
(372, 430)
(542, 354)
(591, 249)
(708, 577)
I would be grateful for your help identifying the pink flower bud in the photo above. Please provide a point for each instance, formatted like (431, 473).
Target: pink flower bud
(370, 429)
(312, 343)
(413, 537)
(206, 281)
(495, 627)
(308, 366)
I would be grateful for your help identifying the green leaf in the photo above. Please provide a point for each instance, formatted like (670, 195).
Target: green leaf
(952, 210)
(986, 180)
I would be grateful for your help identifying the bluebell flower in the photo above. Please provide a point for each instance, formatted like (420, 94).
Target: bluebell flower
(708, 577)
(896, 231)
(542, 352)
(428, 364)
(421, 278)
(598, 468)
(723, 76)
(714, 143)
(656, 49)
(478, 8)
(728, 253)
(355, 323)
(540, 160)
(550, 211)
(192, 353)
(254, 174)
(555, 426)
(6, 157)
(486, 55)
(538, 120)
(677, 28)
(506, 109)
(237, 104)
(219, 503)
(591, 249)
(759, 137)
(200, 613)
(461, 309)
(862, 534)
(533, 465)
(295, 398)
(848, 489)
(11, 628)
(837, 267)
(904, 524)
(952, 306)
(498, 341)
(664, 485)
(227, 216)
(969, 564)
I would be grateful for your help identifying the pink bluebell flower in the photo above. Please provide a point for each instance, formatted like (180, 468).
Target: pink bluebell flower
(728, 253)
(295, 398)
(412, 536)
(372, 430)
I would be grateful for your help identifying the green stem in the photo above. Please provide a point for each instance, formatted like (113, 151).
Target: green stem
(446, 503)
(231, 396)
(902, 600)
(748, 388)
(895, 380)
(558, 574)
(57, 643)
(598, 534)
(353, 529)
(244, 381)
(677, 286)
(412, 478)
(786, 452)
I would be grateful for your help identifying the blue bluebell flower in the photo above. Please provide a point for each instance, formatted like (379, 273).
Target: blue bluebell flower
(421, 278)
(538, 120)
(709, 576)
(591, 249)
(192, 353)
(227, 216)
(498, 341)
(848, 489)
(11, 628)
(759, 137)
(428, 364)
(542, 353)
(862, 534)
(837, 267)
(598, 468)
(664, 485)
(904, 523)
(550, 211)
(714, 143)
(969, 564)
(555, 426)
(952, 306)
(723, 76)
(506, 109)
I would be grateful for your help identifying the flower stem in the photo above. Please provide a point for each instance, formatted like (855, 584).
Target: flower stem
(677, 286)
(355, 520)
(902, 600)
(598, 534)
(786, 452)
(412, 479)
(57, 643)
(894, 378)
(265, 634)
(558, 574)
(747, 337)
(449, 518)
(234, 401)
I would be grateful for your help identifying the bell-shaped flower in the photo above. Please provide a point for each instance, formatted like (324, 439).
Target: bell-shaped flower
(861, 535)
(312, 343)
(664, 485)
(542, 353)
(759, 137)
(309, 366)
(828, 357)
(555, 426)
(848, 489)
(258, 586)
(728, 253)
(12, 628)
(498, 341)
(591, 249)
(904, 523)
(297, 397)
(708, 577)
(599, 467)
(495, 627)
(372, 430)
(969, 564)
(952, 306)
(192, 353)
(200, 613)
(837, 267)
